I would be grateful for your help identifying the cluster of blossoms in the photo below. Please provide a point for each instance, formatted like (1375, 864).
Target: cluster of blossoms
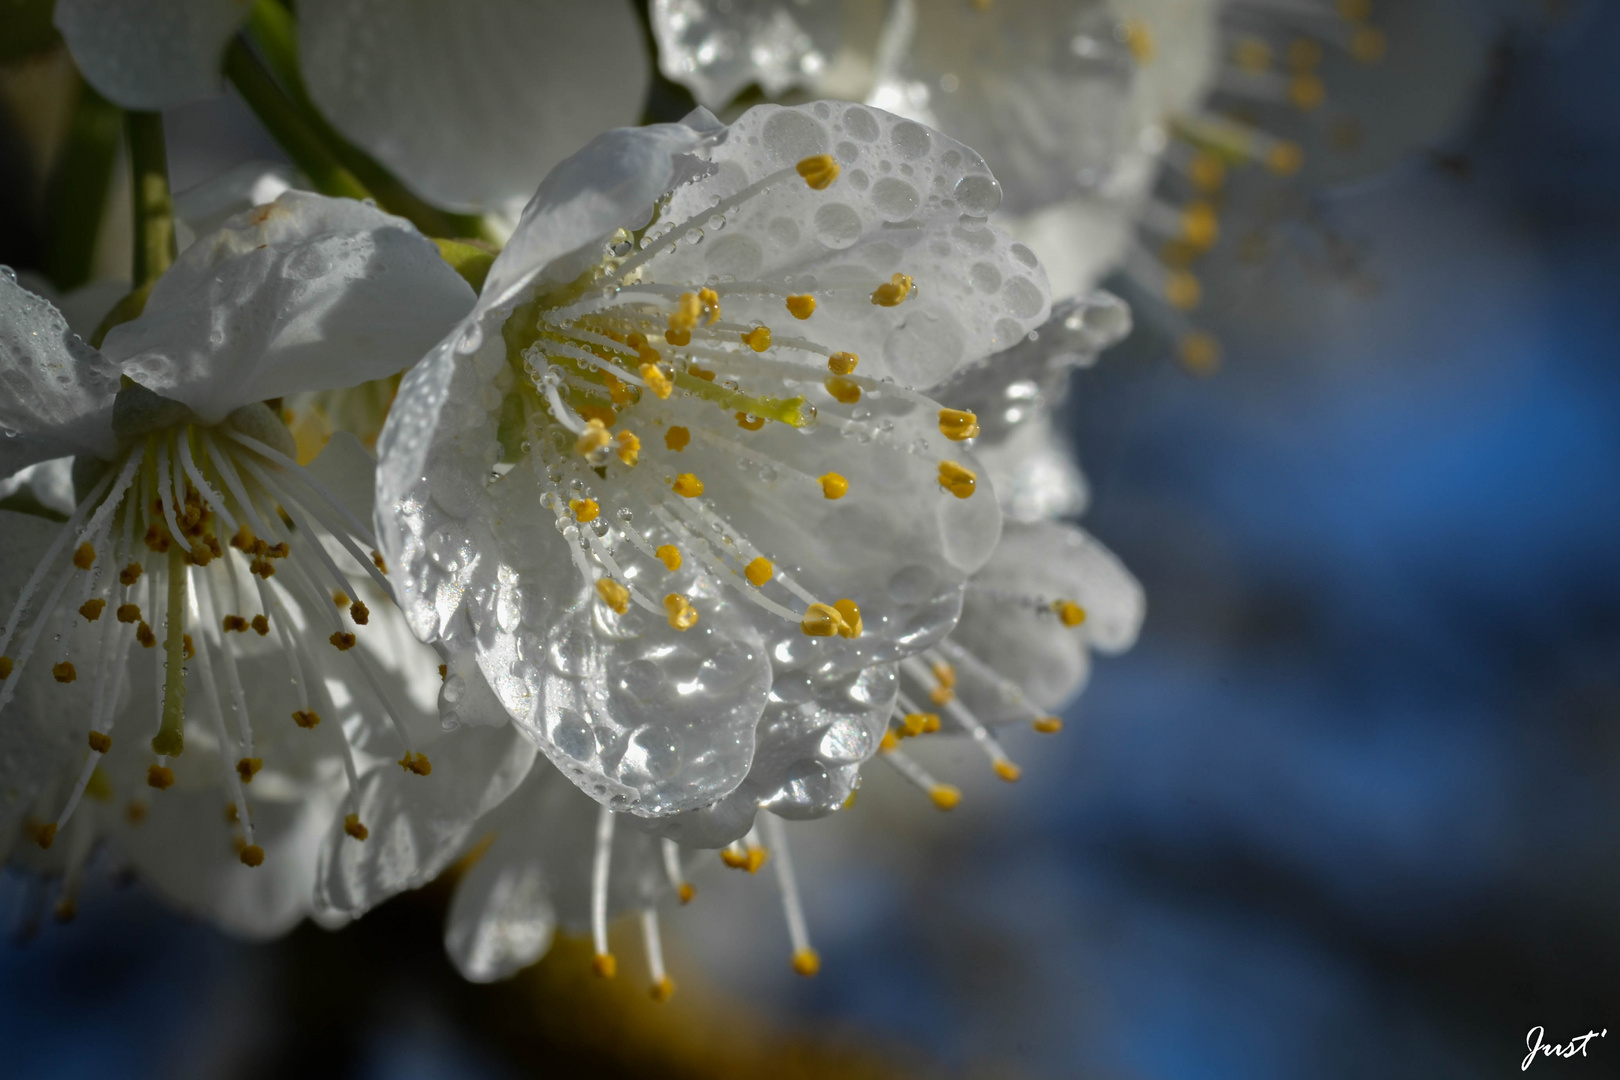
(731, 469)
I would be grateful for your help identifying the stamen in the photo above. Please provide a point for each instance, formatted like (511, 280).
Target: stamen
(662, 985)
(672, 871)
(957, 480)
(603, 963)
(944, 796)
(806, 961)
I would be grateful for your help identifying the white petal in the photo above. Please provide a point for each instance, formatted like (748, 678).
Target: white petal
(306, 293)
(56, 392)
(471, 103)
(501, 919)
(1035, 474)
(49, 483)
(201, 209)
(1041, 90)
(1184, 56)
(717, 47)
(419, 824)
(907, 200)
(150, 54)
(1047, 561)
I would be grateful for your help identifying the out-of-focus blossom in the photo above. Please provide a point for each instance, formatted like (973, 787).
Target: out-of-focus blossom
(203, 662)
(465, 102)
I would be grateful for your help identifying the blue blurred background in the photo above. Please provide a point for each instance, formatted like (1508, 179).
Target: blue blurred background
(1352, 806)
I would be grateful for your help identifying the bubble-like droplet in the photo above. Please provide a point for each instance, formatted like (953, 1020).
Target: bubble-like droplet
(978, 195)
(895, 199)
(573, 736)
(472, 339)
(454, 687)
(837, 225)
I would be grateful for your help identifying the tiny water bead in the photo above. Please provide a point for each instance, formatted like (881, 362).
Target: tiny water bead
(195, 535)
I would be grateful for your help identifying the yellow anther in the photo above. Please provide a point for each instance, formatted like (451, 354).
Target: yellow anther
(688, 309)
(260, 624)
(91, 609)
(1368, 45)
(130, 574)
(604, 413)
(6, 664)
(1069, 612)
(1285, 159)
(941, 695)
(945, 796)
(306, 718)
(834, 486)
(352, 826)
(802, 306)
(819, 170)
(628, 448)
(618, 390)
(699, 373)
(342, 640)
(613, 594)
(45, 835)
(416, 763)
(682, 615)
(806, 962)
(1207, 171)
(670, 556)
(1304, 54)
(843, 390)
(1182, 291)
(711, 304)
(340, 598)
(916, 723)
(1307, 92)
(135, 813)
(85, 556)
(160, 777)
(1200, 353)
(1139, 39)
(850, 615)
(958, 424)
(100, 743)
(378, 561)
(930, 723)
(821, 620)
(248, 767)
(750, 422)
(687, 486)
(662, 990)
(740, 858)
(584, 509)
(359, 613)
(686, 892)
(889, 741)
(1008, 771)
(957, 480)
(251, 855)
(187, 647)
(656, 380)
(1047, 725)
(676, 438)
(1252, 55)
(64, 672)
(144, 635)
(945, 673)
(1200, 226)
(758, 339)
(444, 672)
(678, 337)
(604, 965)
(842, 363)
(593, 438)
(759, 572)
(894, 292)
(1355, 10)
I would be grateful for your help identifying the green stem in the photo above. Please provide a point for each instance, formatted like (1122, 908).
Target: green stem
(170, 739)
(154, 210)
(76, 191)
(274, 35)
(287, 125)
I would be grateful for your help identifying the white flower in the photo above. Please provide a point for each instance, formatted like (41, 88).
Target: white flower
(465, 102)
(209, 619)
(643, 485)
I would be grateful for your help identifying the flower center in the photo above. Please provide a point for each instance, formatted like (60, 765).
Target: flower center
(193, 537)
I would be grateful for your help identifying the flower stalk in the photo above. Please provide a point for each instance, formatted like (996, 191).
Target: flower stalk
(153, 207)
(76, 193)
